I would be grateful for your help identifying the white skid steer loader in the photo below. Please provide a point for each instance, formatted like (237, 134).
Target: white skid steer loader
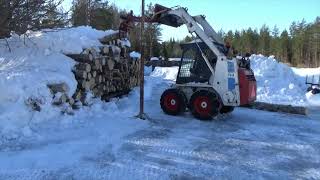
(209, 81)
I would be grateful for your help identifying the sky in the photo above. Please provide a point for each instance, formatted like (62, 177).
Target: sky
(233, 14)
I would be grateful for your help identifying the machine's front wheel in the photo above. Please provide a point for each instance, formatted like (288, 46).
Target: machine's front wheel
(204, 105)
(172, 102)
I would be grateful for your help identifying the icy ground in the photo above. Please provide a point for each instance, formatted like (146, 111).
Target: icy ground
(105, 141)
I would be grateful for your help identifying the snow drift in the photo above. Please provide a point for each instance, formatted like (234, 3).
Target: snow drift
(276, 82)
(26, 71)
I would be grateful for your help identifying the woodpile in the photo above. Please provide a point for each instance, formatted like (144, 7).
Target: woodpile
(61, 98)
(106, 72)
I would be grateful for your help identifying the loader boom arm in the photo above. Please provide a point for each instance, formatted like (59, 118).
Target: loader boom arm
(178, 17)
(197, 25)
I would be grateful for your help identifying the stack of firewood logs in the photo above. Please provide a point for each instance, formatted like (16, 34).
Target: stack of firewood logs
(106, 71)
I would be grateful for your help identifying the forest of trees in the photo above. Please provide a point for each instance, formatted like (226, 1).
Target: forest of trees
(298, 46)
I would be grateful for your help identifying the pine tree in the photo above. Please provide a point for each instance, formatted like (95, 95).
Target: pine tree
(22, 15)
(164, 51)
(264, 41)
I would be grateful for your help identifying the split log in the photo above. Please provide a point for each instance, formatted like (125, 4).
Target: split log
(94, 74)
(80, 74)
(83, 66)
(89, 76)
(104, 50)
(92, 83)
(103, 61)
(110, 64)
(59, 99)
(86, 85)
(76, 105)
(98, 79)
(116, 53)
(59, 87)
(91, 51)
(71, 101)
(109, 38)
(97, 63)
(96, 67)
(83, 58)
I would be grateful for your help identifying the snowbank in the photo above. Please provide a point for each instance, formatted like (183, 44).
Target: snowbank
(26, 71)
(277, 82)
(72, 40)
(167, 73)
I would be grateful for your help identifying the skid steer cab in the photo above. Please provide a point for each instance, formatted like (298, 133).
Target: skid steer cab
(207, 84)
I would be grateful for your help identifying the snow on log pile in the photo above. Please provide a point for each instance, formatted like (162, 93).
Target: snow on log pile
(38, 74)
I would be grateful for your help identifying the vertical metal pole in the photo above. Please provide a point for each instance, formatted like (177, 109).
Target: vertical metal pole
(141, 114)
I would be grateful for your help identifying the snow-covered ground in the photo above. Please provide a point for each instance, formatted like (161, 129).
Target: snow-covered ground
(105, 141)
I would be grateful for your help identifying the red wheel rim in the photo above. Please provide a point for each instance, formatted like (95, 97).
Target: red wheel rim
(171, 102)
(202, 105)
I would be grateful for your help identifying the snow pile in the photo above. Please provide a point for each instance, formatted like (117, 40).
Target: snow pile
(277, 82)
(167, 73)
(154, 59)
(72, 40)
(26, 71)
(135, 54)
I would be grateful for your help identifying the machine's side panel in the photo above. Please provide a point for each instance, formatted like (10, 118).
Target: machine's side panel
(226, 83)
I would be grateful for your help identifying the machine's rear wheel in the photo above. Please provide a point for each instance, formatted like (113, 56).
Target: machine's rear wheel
(226, 109)
(173, 102)
(204, 105)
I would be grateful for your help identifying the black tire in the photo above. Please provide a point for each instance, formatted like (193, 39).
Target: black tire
(173, 102)
(204, 105)
(315, 91)
(226, 109)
